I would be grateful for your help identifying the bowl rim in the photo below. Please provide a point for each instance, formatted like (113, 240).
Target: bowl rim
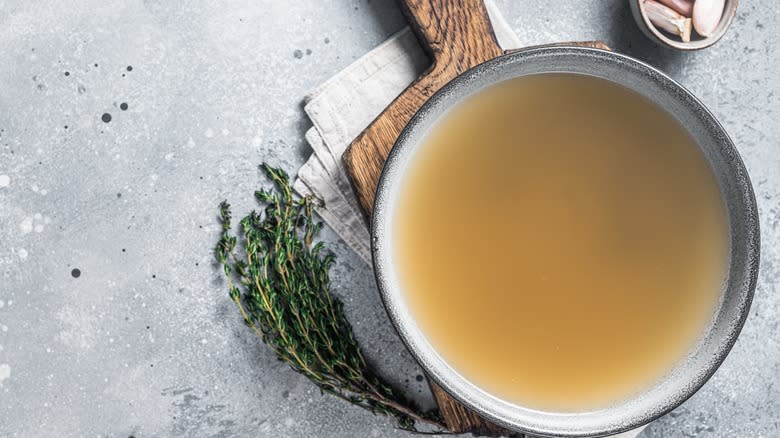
(602, 422)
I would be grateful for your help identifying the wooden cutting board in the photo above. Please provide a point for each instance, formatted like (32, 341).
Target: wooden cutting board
(457, 35)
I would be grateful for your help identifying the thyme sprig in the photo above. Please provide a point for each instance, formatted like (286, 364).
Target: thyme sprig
(278, 278)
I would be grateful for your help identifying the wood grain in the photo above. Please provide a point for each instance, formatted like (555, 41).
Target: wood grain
(457, 35)
(460, 419)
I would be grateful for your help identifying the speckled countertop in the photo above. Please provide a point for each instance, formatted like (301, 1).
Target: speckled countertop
(113, 319)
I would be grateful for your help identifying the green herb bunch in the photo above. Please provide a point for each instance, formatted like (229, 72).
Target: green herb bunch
(279, 282)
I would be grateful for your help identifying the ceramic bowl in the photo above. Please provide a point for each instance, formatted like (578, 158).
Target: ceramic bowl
(693, 370)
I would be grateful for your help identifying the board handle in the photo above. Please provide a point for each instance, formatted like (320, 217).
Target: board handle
(457, 34)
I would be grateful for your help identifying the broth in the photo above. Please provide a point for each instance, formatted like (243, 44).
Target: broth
(560, 241)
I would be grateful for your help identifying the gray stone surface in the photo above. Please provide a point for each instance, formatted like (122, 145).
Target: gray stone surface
(145, 342)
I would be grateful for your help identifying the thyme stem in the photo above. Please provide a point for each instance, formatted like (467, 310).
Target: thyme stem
(283, 294)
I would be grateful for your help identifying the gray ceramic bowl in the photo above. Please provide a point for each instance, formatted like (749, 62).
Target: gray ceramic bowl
(692, 371)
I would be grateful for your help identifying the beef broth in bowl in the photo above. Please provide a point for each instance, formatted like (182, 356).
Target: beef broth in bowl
(560, 240)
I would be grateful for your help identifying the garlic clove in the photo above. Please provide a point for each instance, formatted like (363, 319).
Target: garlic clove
(683, 7)
(667, 19)
(707, 15)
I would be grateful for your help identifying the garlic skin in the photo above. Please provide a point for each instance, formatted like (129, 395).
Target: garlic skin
(668, 19)
(683, 7)
(707, 15)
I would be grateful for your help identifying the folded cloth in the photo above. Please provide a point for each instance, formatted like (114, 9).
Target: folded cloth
(342, 108)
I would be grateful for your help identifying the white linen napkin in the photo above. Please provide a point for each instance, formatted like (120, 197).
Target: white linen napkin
(344, 105)
(342, 108)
